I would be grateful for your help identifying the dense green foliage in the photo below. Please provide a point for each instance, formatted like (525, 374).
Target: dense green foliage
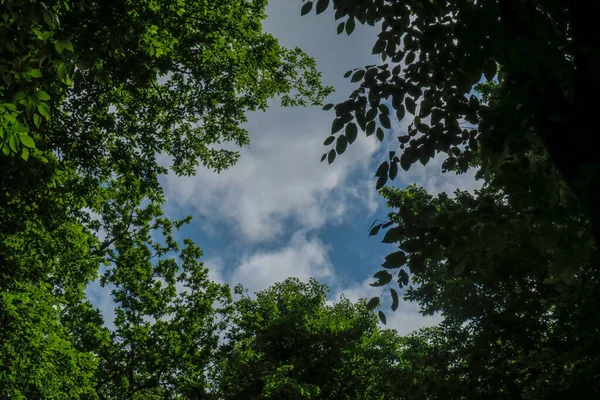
(99, 99)
(289, 344)
(92, 94)
(513, 268)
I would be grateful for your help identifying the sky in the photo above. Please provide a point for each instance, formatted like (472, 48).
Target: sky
(279, 212)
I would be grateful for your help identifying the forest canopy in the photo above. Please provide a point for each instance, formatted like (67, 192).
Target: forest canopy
(94, 93)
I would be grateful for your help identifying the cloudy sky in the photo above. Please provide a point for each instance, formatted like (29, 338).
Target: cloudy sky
(280, 212)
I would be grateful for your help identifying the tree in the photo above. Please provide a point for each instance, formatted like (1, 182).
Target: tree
(289, 343)
(513, 267)
(97, 99)
(545, 53)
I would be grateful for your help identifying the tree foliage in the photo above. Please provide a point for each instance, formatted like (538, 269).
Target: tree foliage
(98, 100)
(512, 267)
(289, 343)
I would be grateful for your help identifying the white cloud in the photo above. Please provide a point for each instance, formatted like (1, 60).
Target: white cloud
(279, 181)
(302, 257)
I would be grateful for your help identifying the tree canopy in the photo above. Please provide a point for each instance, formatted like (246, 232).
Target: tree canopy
(98, 100)
(505, 87)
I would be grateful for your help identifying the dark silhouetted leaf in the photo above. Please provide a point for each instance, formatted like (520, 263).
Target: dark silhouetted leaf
(410, 105)
(358, 75)
(395, 300)
(383, 277)
(405, 162)
(382, 317)
(374, 302)
(337, 124)
(322, 6)
(306, 8)
(393, 170)
(385, 121)
(393, 235)
(379, 134)
(331, 156)
(329, 140)
(350, 24)
(379, 46)
(382, 170)
(394, 260)
(400, 112)
(381, 181)
(351, 132)
(371, 128)
(375, 230)
(341, 144)
(327, 107)
(402, 278)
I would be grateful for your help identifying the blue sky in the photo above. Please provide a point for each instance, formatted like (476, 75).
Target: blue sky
(280, 212)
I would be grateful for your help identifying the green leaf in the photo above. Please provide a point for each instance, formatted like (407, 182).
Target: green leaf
(329, 140)
(331, 156)
(25, 154)
(48, 19)
(322, 6)
(44, 110)
(35, 73)
(61, 70)
(382, 317)
(351, 132)
(374, 302)
(385, 121)
(20, 95)
(12, 142)
(394, 260)
(341, 144)
(59, 46)
(358, 75)
(395, 299)
(8, 78)
(37, 120)
(43, 95)
(306, 8)
(350, 24)
(68, 45)
(27, 141)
